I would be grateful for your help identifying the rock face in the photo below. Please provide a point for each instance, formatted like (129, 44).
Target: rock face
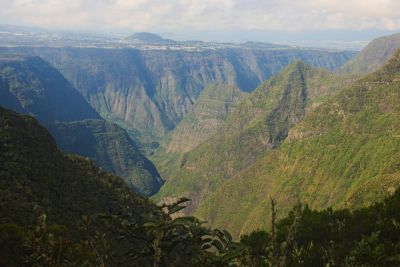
(258, 124)
(29, 85)
(149, 91)
(374, 56)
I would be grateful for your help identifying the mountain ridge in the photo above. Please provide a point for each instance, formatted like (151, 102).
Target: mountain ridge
(149, 92)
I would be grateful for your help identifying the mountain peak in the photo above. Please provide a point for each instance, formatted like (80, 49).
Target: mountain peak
(148, 37)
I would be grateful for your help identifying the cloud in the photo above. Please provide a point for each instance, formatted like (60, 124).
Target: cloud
(287, 15)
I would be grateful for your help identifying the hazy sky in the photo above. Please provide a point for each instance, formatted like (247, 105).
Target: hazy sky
(284, 16)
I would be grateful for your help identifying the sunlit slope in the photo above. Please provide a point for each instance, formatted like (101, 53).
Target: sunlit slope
(345, 153)
(258, 124)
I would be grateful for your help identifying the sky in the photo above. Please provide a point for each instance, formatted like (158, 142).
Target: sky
(349, 20)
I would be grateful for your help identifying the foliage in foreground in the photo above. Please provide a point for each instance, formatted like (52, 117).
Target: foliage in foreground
(364, 237)
(161, 241)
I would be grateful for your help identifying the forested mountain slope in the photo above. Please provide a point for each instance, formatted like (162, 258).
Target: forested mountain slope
(61, 210)
(258, 124)
(86, 217)
(212, 107)
(345, 153)
(37, 177)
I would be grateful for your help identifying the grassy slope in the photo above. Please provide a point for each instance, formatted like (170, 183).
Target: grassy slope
(346, 153)
(258, 124)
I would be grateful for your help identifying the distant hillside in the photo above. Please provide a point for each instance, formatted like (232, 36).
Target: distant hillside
(149, 38)
(258, 124)
(148, 92)
(212, 107)
(374, 56)
(345, 153)
(30, 85)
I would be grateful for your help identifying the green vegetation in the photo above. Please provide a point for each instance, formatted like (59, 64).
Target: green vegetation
(258, 124)
(60, 210)
(36, 176)
(345, 153)
(212, 107)
(304, 136)
(363, 237)
(30, 85)
(209, 112)
(111, 148)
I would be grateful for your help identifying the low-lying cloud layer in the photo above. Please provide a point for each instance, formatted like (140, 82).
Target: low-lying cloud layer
(140, 15)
